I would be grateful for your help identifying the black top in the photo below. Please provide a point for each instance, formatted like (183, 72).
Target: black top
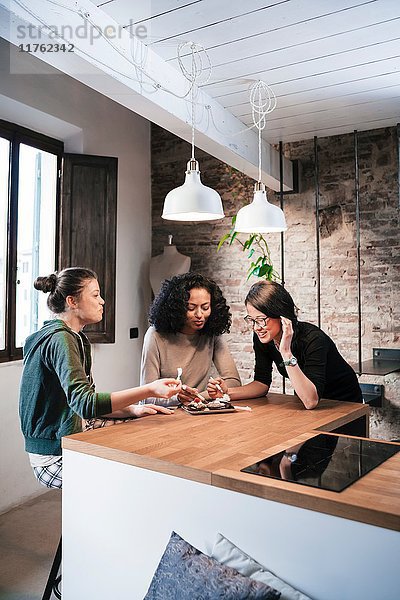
(318, 358)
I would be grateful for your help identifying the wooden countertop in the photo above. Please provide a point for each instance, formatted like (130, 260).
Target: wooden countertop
(212, 449)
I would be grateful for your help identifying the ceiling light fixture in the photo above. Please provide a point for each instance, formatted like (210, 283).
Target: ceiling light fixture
(193, 201)
(260, 216)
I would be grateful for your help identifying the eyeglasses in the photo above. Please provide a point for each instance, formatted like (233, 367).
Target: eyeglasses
(259, 321)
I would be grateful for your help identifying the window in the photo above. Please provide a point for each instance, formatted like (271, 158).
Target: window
(4, 179)
(40, 234)
(29, 168)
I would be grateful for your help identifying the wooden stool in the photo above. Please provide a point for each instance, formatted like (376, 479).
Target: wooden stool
(54, 580)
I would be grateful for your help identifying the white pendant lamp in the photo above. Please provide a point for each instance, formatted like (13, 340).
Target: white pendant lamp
(260, 216)
(192, 201)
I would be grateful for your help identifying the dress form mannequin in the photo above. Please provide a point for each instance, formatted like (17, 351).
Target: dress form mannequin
(166, 265)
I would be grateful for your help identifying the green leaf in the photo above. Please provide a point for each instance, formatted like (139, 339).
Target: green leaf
(222, 240)
(249, 242)
(233, 237)
(264, 270)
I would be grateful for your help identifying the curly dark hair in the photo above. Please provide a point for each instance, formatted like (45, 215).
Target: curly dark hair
(168, 310)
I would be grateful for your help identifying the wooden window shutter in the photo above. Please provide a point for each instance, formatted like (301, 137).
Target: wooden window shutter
(88, 217)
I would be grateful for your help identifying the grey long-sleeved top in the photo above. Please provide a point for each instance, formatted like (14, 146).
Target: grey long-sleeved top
(162, 354)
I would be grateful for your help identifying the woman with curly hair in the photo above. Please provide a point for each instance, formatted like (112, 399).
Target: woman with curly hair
(188, 318)
(301, 351)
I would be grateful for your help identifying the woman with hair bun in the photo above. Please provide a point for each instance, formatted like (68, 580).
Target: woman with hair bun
(57, 390)
(301, 351)
(188, 318)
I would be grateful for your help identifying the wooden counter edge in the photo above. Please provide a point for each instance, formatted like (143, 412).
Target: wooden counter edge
(137, 460)
(363, 411)
(287, 493)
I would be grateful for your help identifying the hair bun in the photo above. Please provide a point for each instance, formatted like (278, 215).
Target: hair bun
(46, 284)
(52, 282)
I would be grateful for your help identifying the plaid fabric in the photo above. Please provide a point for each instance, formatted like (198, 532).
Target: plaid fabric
(103, 422)
(50, 476)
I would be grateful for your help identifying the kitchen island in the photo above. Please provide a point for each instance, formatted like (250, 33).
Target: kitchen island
(127, 487)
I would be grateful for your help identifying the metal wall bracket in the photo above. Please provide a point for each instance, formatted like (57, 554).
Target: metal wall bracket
(372, 393)
(383, 362)
(386, 353)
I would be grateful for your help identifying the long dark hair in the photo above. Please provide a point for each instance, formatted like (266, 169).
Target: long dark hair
(272, 299)
(168, 310)
(68, 282)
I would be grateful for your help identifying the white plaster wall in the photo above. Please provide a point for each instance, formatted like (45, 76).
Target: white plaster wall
(89, 123)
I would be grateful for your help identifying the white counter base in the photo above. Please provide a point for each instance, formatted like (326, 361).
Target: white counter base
(117, 520)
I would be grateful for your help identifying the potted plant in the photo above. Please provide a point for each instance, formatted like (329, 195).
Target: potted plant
(258, 253)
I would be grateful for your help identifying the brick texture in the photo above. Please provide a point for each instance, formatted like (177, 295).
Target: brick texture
(379, 245)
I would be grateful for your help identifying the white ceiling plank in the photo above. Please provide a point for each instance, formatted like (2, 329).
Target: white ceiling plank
(349, 49)
(255, 28)
(295, 134)
(358, 112)
(142, 11)
(370, 69)
(208, 14)
(101, 63)
(309, 33)
(292, 67)
(370, 87)
(325, 109)
(338, 119)
(300, 82)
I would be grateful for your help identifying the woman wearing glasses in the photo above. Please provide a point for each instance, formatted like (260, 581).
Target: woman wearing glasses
(300, 350)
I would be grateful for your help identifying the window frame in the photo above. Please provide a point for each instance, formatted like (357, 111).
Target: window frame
(102, 229)
(17, 135)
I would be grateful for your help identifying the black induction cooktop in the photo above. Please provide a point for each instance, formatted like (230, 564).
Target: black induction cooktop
(329, 462)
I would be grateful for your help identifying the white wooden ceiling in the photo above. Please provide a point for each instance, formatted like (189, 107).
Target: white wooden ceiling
(334, 65)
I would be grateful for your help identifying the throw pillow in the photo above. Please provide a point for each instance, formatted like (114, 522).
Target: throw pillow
(185, 573)
(228, 554)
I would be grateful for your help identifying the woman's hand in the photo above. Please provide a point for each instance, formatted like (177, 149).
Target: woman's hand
(164, 388)
(148, 409)
(286, 339)
(212, 387)
(187, 394)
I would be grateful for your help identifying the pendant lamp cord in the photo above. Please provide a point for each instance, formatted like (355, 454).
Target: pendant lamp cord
(259, 154)
(263, 102)
(199, 73)
(192, 97)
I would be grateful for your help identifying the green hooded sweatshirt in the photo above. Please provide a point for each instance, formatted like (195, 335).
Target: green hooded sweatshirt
(56, 390)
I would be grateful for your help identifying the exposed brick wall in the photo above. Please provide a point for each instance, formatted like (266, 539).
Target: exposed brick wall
(380, 261)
